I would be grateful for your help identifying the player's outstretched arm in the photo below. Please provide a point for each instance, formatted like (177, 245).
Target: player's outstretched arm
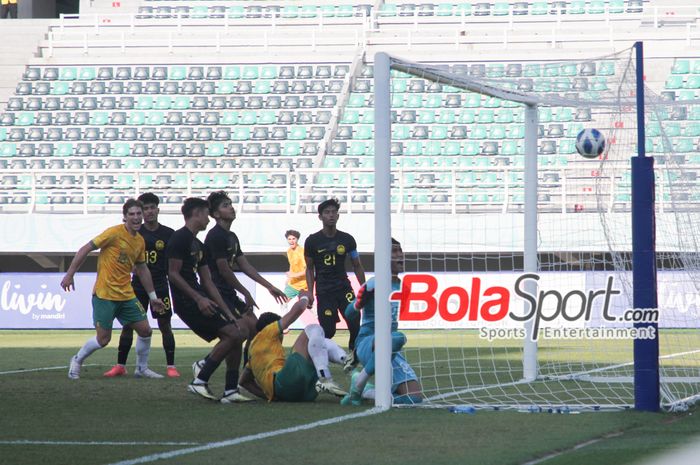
(253, 274)
(67, 283)
(295, 312)
(247, 380)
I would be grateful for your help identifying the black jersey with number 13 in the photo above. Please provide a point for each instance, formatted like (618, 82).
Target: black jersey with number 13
(156, 242)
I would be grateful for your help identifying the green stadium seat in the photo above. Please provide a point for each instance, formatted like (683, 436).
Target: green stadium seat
(399, 132)
(232, 72)
(692, 130)
(59, 88)
(163, 102)
(539, 8)
(241, 133)
(471, 148)
(215, 149)
(297, 133)
(551, 70)
(235, 12)
(413, 148)
(328, 11)
(249, 117)
(564, 114)
(492, 102)
(496, 70)
(267, 117)
(357, 148)
(68, 73)
(478, 131)
(504, 115)
(446, 117)
(136, 118)
(121, 149)
(229, 118)
(413, 100)
(444, 9)
(577, 7)
(467, 116)
(616, 6)
(177, 73)
(543, 85)
(388, 10)
(356, 101)
(498, 131)
(8, 149)
(485, 116)
(567, 146)
(544, 114)
(344, 11)
(464, 9)
(433, 148)
(606, 68)
(250, 72)
(452, 148)
(433, 101)
(509, 147)
(144, 102)
(693, 82)
(308, 11)
(438, 132)
(220, 181)
(262, 87)
(25, 118)
(672, 129)
(180, 181)
(290, 11)
(500, 9)
(472, 101)
(680, 67)
(350, 117)
(516, 131)
(364, 132)
(397, 101)
(426, 116)
(399, 85)
(367, 116)
(596, 7)
(64, 149)
(532, 70)
(291, 149)
(684, 145)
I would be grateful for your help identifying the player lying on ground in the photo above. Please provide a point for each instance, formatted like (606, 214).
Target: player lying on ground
(272, 375)
(121, 251)
(404, 382)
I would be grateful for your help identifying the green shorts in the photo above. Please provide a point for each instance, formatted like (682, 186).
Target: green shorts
(126, 311)
(296, 381)
(291, 292)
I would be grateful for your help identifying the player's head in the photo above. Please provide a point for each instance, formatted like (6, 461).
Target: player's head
(292, 237)
(220, 206)
(328, 212)
(397, 265)
(150, 203)
(133, 214)
(265, 319)
(196, 212)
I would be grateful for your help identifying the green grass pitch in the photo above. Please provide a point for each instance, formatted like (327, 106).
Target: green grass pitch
(47, 418)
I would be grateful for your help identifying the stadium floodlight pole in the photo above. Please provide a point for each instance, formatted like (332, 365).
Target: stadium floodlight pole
(530, 262)
(382, 230)
(644, 292)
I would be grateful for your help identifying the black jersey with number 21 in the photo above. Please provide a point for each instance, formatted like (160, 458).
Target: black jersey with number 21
(329, 255)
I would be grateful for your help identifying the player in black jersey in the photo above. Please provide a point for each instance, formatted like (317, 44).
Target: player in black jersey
(326, 253)
(198, 302)
(156, 237)
(225, 252)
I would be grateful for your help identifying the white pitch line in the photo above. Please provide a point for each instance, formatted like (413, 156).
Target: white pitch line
(23, 442)
(28, 370)
(252, 437)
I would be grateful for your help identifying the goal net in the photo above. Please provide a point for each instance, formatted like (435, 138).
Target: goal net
(518, 289)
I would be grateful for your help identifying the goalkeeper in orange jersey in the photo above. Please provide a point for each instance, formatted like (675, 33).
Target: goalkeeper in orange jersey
(273, 375)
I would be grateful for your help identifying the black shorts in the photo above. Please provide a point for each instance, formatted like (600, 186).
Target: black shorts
(163, 294)
(234, 303)
(206, 327)
(329, 303)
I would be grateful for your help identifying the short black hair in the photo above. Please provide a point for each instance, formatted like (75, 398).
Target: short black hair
(215, 199)
(292, 232)
(191, 204)
(327, 203)
(131, 203)
(266, 319)
(148, 198)
(395, 243)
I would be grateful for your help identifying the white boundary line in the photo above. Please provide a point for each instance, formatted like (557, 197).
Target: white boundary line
(24, 442)
(28, 370)
(252, 437)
